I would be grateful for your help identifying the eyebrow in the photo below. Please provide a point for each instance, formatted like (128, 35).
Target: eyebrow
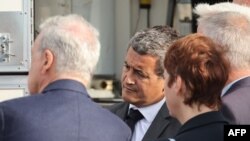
(141, 71)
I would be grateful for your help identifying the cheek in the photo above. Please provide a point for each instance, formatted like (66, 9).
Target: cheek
(31, 82)
(34, 76)
(142, 91)
(31, 75)
(168, 93)
(170, 103)
(165, 91)
(151, 91)
(123, 76)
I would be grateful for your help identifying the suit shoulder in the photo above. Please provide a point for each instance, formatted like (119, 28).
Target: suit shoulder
(17, 100)
(113, 108)
(113, 123)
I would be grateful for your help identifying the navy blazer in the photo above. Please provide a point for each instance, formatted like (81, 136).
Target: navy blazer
(204, 127)
(162, 126)
(62, 112)
(236, 102)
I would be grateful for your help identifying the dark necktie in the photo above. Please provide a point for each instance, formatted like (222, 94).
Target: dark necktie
(132, 118)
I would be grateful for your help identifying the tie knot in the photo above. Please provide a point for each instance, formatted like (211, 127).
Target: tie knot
(135, 115)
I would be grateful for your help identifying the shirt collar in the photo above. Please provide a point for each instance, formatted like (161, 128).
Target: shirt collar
(149, 112)
(228, 86)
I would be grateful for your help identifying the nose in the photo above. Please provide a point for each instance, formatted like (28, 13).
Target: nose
(128, 78)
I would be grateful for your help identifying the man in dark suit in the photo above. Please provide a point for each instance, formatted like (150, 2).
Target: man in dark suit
(228, 24)
(143, 84)
(59, 109)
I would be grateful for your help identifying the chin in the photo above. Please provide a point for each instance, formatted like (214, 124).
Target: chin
(128, 98)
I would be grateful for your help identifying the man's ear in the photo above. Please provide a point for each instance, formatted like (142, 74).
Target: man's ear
(48, 59)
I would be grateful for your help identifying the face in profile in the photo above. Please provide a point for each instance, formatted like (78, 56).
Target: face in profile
(36, 63)
(172, 94)
(140, 85)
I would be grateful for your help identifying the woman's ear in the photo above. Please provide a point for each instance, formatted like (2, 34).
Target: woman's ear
(48, 59)
(178, 84)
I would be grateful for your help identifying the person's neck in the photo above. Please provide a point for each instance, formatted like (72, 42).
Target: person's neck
(46, 81)
(237, 74)
(189, 112)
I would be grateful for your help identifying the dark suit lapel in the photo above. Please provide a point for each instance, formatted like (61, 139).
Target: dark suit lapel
(158, 125)
(122, 111)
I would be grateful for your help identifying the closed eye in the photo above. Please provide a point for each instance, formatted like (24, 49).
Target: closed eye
(140, 74)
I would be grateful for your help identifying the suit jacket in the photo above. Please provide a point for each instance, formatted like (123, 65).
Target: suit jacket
(162, 126)
(62, 112)
(236, 102)
(204, 127)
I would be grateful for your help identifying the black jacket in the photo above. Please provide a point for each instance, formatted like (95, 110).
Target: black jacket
(162, 126)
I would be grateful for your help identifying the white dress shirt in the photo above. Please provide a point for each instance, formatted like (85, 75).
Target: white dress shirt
(149, 114)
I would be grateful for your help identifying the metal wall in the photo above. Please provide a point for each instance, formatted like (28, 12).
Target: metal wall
(99, 13)
(16, 36)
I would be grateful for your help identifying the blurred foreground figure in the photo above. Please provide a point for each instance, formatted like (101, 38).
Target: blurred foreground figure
(195, 2)
(228, 24)
(59, 109)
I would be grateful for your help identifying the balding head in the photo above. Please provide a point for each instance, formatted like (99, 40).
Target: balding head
(227, 24)
(74, 42)
(242, 2)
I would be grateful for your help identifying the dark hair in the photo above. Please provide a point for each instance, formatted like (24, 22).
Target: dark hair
(154, 41)
(201, 65)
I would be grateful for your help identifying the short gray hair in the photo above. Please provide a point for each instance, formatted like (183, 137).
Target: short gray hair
(154, 42)
(74, 42)
(229, 26)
